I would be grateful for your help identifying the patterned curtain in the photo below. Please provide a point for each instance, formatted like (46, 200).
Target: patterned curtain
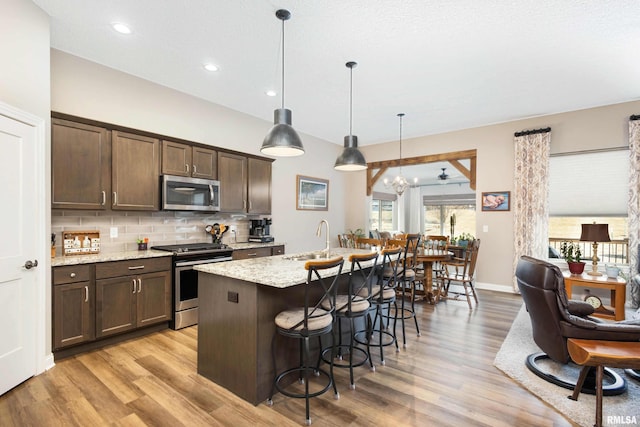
(531, 196)
(634, 187)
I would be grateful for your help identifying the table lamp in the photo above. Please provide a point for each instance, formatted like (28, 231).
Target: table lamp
(595, 233)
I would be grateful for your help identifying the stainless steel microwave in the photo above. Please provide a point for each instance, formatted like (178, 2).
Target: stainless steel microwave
(180, 193)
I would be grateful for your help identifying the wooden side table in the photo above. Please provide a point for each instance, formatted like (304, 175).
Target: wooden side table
(613, 354)
(616, 285)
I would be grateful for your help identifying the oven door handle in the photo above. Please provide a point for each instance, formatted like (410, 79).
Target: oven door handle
(203, 261)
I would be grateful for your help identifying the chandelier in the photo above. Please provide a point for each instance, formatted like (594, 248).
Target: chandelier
(400, 183)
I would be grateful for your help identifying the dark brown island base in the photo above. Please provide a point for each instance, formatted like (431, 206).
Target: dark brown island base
(238, 304)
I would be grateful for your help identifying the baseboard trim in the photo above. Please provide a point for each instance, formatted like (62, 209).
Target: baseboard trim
(494, 287)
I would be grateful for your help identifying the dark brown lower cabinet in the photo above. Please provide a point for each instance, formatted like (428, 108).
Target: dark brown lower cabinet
(95, 301)
(73, 314)
(130, 302)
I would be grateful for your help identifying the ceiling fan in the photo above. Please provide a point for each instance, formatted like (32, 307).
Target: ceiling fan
(443, 176)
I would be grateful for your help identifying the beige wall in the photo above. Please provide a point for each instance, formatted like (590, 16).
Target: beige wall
(87, 89)
(24, 49)
(602, 127)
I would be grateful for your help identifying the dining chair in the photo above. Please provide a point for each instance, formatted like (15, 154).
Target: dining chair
(460, 272)
(436, 243)
(368, 243)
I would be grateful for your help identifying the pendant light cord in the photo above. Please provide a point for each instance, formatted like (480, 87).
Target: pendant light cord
(350, 101)
(400, 115)
(283, 63)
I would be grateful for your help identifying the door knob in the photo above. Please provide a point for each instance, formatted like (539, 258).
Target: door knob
(30, 264)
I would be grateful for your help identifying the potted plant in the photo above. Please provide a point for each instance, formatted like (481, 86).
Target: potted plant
(572, 254)
(464, 238)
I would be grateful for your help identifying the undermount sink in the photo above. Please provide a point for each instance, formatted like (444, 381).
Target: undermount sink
(307, 257)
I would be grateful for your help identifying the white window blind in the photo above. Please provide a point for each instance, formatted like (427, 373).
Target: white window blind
(589, 184)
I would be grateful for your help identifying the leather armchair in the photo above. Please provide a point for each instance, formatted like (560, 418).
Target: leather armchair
(554, 319)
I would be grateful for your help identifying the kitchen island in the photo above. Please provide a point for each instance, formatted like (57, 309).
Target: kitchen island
(238, 304)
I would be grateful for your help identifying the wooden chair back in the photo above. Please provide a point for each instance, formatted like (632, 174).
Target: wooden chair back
(347, 240)
(366, 243)
(435, 242)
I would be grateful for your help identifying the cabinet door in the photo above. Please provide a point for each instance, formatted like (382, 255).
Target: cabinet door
(154, 298)
(259, 186)
(115, 305)
(80, 166)
(232, 174)
(205, 163)
(73, 314)
(135, 172)
(176, 158)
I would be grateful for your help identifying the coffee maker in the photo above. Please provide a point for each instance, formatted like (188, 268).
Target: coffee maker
(259, 231)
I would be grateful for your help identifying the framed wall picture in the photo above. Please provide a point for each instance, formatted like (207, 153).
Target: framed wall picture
(496, 201)
(312, 194)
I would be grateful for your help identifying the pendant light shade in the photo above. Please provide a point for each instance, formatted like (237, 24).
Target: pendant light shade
(282, 140)
(351, 158)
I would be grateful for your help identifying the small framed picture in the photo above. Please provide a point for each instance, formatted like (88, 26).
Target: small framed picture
(312, 193)
(496, 201)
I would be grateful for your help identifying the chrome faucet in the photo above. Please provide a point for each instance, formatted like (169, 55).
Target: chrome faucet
(318, 231)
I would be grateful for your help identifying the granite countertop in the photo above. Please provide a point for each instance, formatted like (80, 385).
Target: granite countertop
(105, 257)
(280, 271)
(126, 255)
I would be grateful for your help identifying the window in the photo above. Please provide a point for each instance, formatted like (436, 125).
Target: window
(381, 217)
(438, 211)
(437, 219)
(585, 188)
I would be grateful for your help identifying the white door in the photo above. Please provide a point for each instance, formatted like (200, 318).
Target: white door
(19, 298)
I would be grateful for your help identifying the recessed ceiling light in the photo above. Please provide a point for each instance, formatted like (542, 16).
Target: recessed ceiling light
(121, 28)
(211, 67)
(271, 92)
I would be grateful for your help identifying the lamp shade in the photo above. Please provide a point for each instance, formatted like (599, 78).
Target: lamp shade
(351, 158)
(595, 233)
(282, 140)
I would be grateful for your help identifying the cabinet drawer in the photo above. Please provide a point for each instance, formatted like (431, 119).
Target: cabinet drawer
(72, 274)
(132, 267)
(251, 253)
(277, 250)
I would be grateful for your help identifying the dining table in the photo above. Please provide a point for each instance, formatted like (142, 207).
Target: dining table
(427, 257)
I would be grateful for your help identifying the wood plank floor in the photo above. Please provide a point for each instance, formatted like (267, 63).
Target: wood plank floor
(445, 377)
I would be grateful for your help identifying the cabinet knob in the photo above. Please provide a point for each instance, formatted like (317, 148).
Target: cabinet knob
(72, 275)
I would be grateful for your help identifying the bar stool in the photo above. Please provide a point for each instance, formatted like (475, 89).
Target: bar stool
(303, 323)
(353, 306)
(406, 278)
(381, 295)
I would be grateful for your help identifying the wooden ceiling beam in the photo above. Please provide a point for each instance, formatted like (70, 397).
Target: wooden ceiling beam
(453, 158)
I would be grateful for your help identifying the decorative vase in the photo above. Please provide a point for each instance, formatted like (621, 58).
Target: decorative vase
(576, 267)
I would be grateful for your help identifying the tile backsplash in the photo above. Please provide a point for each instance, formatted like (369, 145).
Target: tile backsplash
(161, 228)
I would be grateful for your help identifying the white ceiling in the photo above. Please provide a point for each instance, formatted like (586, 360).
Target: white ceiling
(447, 64)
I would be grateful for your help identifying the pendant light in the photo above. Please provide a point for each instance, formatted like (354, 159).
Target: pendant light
(282, 140)
(400, 183)
(351, 158)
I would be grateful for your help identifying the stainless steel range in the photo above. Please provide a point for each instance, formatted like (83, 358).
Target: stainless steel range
(185, 278)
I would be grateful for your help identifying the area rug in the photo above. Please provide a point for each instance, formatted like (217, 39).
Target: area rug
(621, 410)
